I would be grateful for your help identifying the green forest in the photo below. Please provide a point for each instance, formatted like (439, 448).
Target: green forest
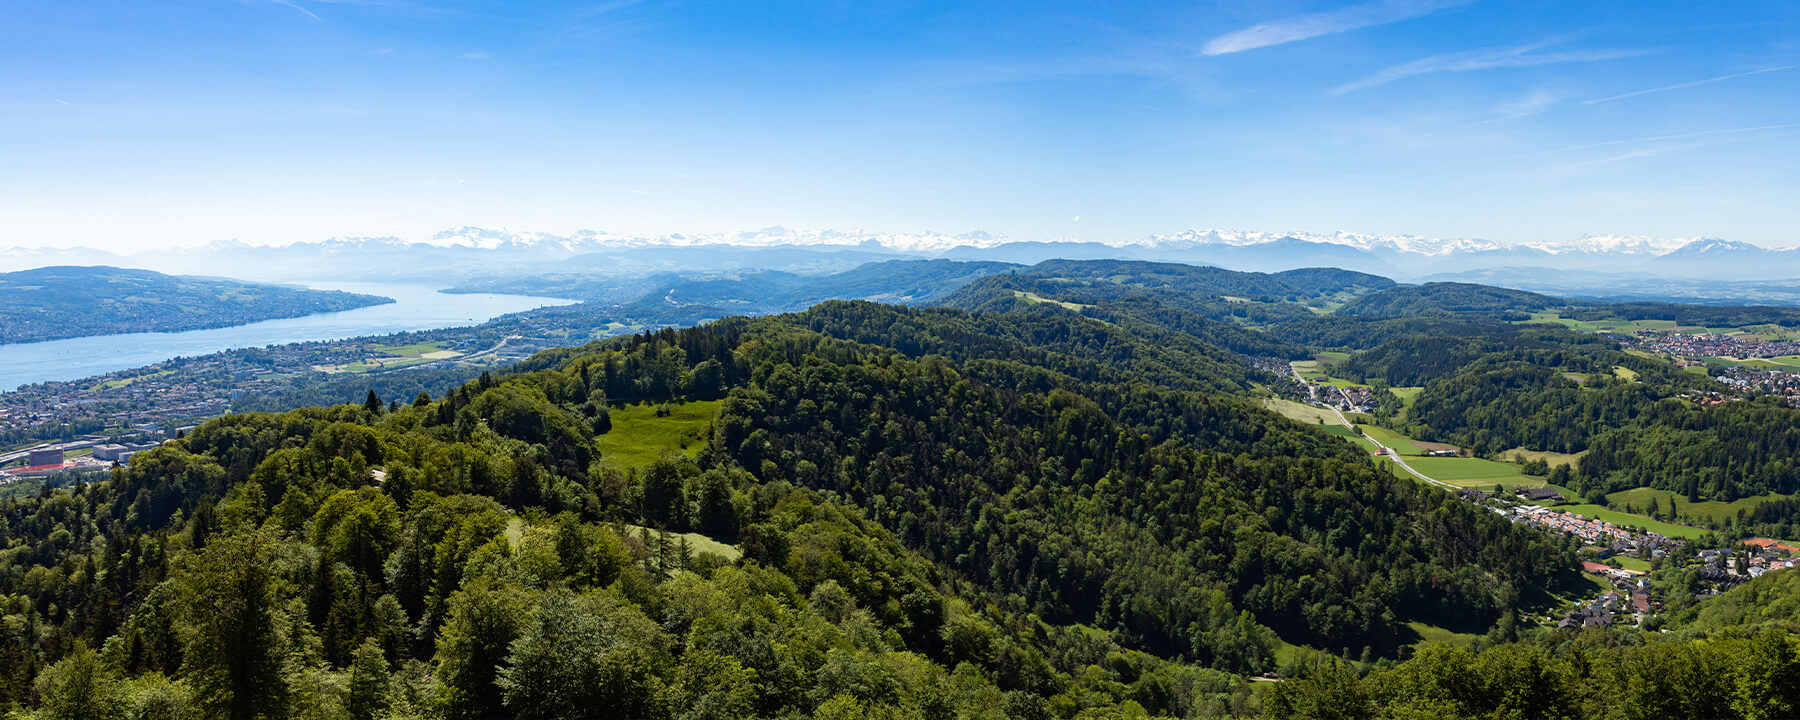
(1004, 507)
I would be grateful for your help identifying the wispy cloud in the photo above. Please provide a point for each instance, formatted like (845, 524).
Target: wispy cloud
(59, 100)
(474, 56)
(1312, 25)
(1675, 136)
(1526, 105)
(1679, 86)
(1485, 59)
(295, 6)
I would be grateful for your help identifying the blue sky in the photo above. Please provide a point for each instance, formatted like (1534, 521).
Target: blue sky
(127, 124)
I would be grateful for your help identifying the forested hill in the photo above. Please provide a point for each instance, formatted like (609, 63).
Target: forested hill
(891, 513)
(1438, 299)
(66, 301)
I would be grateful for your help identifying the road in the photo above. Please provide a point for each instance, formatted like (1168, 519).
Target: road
(1386, 451)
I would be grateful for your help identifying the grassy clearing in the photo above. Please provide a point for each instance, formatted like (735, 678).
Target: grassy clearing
(638, 437)
(1408, 395)
(1035, 298)
(1434, 635)
(1352, 435)
(1619, 518)
(1625, 373)
(413, 349)
(1613, 326)
(697, 543)
(393, 357)
(1631, 563)
(1784, 362)
(1400, 443)
(1301, 412)
(1552, 458)
(122, 382)
(1695, 512)
(1472, 472)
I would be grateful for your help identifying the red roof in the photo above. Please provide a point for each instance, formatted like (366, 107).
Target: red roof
(1595, 567)
(1761, 542)
(35, 468)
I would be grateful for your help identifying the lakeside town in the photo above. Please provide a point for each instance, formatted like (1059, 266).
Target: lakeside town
(182, 391)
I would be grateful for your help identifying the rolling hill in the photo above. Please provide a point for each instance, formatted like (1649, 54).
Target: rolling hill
(52, 303)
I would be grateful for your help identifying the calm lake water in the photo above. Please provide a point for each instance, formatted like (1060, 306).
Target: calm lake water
(416, 307)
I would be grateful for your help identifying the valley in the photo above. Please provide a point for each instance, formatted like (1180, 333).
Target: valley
(1050, 416)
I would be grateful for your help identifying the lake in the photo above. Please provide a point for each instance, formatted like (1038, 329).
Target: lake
(415, 307)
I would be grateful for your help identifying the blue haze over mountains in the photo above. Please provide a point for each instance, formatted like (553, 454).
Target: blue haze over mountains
(1699, 269)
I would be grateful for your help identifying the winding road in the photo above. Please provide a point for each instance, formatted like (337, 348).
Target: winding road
(1386, 451)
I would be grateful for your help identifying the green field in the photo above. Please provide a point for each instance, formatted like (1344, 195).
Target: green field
(413, 349)
(697, 543)
(1407, 395)
(1434, 635)
(393, 357)
(1618, 518)
(1352, 435)
(122, 382)
(1034, 298)
(1631, 563)
(1552, 458)
(1625, 373)
(1696, 512)
(1784, 362)
(1472, 472)
(1400, 443)
(1302, 412)
(638, 437)
(1614, 326)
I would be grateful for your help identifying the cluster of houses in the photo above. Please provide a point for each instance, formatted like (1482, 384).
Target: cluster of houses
(1766, 382)
(1752, 559)
(1594, 531)
(1351, 399)
(1630, 599)
(1696, 345)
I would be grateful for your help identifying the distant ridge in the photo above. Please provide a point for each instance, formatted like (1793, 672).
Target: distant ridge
(474, 252)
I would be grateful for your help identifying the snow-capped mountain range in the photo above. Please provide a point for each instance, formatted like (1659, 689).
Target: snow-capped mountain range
(476, 252)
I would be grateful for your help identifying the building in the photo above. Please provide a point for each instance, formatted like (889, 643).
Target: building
(1542, 493)
(44, 456)
(118, 453)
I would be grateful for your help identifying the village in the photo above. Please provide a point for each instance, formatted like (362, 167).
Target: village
(1627, 561)
(1702, 345)
(185, 391)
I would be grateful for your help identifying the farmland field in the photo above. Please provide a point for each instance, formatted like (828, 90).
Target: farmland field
(1472, 472)
(1302, 412)
(1552, 458)
(1616, 326)
(1400, 443)
(1341, 431)
(1035, 299)
(393, 357)
(1784, 362)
